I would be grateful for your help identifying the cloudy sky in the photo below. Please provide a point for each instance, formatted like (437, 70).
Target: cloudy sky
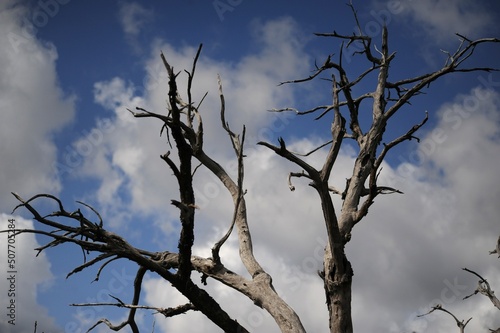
(69, 70)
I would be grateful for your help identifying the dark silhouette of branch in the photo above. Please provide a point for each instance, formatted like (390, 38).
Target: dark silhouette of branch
(183, 125)
(461, 324)
(387, 98)
(483, 287)
(130, 321)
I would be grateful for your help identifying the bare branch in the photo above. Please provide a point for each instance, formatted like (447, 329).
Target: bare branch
(135, 300)
(387, 190)
(112, 244)
(312, 151)
(326, 65)
(235, 140)
(167, 312)
(282, 151)
(170, 312)
(92, 262)
(238, 147)
(94, 211)
(361, 37)
(179, 124)
(338, 132)
(497, 248)
(295, 174)
(130, 321)
(301, 113)
(190, 82)
(483, 287)
(110, 325)
(171, 164)
(438, 307)
(457, 59)
(395, 142)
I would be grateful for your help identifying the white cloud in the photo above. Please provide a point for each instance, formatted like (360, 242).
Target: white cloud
(405, 254)
(441, 19)
(31, 275)
(33, 107)
(251, 93)
(408, 253)
(413, 246)
(133, 16)
(158, 291)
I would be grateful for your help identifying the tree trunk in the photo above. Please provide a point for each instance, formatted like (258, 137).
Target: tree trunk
(338, 282)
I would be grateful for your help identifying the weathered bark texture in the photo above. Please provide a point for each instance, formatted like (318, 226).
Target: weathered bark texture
(184, 125)
(362, 187)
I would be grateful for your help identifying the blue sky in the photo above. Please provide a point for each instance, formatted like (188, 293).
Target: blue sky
(69, 70)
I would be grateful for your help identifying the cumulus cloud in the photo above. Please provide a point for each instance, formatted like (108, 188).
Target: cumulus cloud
(33, 108)
(413, 246)
(129, 159)
(406, 254)
(442, 19)
(27, 275)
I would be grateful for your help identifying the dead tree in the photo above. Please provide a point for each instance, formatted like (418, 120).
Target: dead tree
(362, 187)
(483, 287)
(183, 125)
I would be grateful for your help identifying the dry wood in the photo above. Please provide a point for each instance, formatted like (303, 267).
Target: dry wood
(183, 126)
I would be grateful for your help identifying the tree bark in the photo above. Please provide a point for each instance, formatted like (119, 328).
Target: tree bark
(338, 282)
(359, 194)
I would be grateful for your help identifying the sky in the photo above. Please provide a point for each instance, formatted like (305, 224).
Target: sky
(70, 69)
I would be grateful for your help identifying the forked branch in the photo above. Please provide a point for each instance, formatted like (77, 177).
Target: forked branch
(483, 287)
(461, 324)
(238, 149)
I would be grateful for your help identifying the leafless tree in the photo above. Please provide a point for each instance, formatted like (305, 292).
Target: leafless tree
(183, 125)
(483, 287)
